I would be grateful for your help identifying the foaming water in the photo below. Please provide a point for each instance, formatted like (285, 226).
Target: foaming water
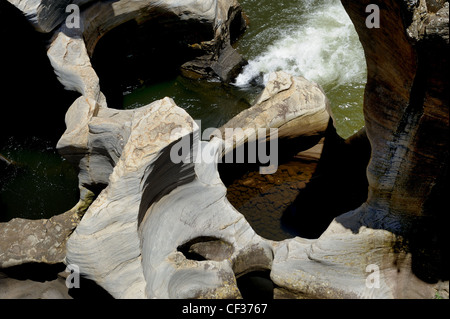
(322, 46)
(314, 39)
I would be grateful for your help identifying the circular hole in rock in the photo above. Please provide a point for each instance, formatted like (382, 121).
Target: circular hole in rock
(256, 285)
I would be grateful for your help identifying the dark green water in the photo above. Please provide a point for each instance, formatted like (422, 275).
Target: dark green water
(314, 39)
(39, 185)
(212, 102)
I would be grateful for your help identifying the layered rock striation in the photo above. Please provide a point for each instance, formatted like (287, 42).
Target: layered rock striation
(406, 109)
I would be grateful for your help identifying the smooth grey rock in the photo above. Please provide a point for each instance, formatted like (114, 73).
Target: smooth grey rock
(94, 139)
(144, 219)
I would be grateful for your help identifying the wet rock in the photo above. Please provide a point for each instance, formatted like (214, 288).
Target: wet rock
(229, 64)
(293, 105)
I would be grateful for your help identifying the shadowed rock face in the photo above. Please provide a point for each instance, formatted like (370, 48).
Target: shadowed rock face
(406, 111)
(32, 98)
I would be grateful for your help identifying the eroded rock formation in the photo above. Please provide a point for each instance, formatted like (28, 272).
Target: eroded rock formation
(406, 111)
(164, 229)
(166, 211)
(96, 134)
(292, 105)
(400, 228)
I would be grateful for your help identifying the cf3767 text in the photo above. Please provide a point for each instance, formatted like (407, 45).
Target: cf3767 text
(232, 308)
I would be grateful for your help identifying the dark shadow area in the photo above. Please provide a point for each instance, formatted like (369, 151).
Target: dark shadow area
(189, 253)
(206, 248)
(338, 185)
(256, 285)
(237, 166)
(429, 240)
(33, 102)
(34, 271)
(164, 175)
(237, 25)
(133, 55)
(96, 188)
(424, 234)
(89, 290)
(39, 183)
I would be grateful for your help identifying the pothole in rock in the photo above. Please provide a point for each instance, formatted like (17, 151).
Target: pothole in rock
(263, 199)
(138, 64)
(133, 55)
(206, 248)
(256, 285)
(303, 196)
